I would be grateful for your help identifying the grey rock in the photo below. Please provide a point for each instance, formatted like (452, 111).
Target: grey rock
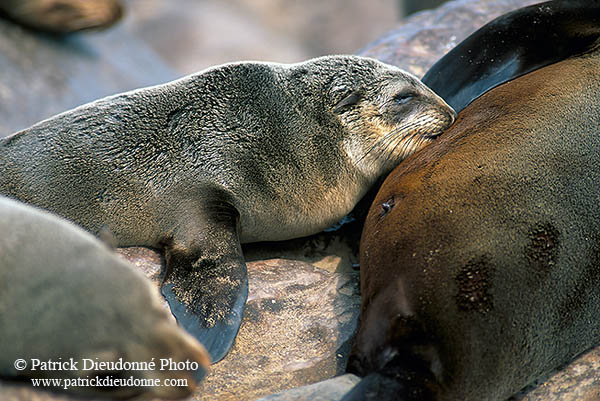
(327, 390)
(42, 75)
(425, 37)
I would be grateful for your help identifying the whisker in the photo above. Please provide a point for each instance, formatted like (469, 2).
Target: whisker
(390, 138)
(386, 138)
(404, 141)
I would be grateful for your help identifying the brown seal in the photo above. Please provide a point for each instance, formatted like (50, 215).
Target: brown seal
(63, 16)
(67, 298)
(480, 255)
(242, 152)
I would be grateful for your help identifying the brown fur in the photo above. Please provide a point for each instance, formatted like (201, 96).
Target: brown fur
(63, 16)
(485, 267)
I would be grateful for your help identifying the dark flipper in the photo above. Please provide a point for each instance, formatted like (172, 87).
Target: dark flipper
(219, 337)
(406, 378)
(400, 365)
(378, 387)
(512, 45)
(206, 283)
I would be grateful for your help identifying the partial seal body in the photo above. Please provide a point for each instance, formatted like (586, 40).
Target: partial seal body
(63, 16)
(241, 152)
(64, 296)
(512, 45)
(479, 257)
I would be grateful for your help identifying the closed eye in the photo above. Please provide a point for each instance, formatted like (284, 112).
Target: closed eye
(403, 98)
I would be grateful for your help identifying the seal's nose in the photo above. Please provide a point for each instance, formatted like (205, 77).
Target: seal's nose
(445, 109)
(452, 115)
(448, 110)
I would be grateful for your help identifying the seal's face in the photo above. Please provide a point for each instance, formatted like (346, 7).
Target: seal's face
(391, 110)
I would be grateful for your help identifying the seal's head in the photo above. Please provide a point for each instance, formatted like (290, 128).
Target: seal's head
(164, 353)
(386, 113)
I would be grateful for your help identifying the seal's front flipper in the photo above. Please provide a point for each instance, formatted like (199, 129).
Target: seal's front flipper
(215, 329)
(403, 381)
(206, 282)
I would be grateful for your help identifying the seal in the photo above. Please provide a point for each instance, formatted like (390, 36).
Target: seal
(67, 298)
(242, 152)
(479, 257)
(512, 45)
(62, 16)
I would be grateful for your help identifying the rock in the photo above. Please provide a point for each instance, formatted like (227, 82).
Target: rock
(425, 37)
(42, 75)
(298, 324)
(328, 390)
(578, 381)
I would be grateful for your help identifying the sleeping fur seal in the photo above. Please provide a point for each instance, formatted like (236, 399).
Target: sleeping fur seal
(241, 152)
(480, 255)
(64, 295)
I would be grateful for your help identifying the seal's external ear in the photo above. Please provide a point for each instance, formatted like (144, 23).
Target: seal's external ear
(349, 100)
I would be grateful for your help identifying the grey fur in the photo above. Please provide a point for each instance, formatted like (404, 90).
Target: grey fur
(64, 295)
(135, 161)
(253, 151)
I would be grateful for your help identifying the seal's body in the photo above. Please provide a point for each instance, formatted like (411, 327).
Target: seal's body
(246, 151)
(479, 257)
(65, 296)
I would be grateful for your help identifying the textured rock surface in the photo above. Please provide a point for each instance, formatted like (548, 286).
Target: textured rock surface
(426, 36)
(326, 390)
(41, 76)
(578, 381)
(297, 326)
